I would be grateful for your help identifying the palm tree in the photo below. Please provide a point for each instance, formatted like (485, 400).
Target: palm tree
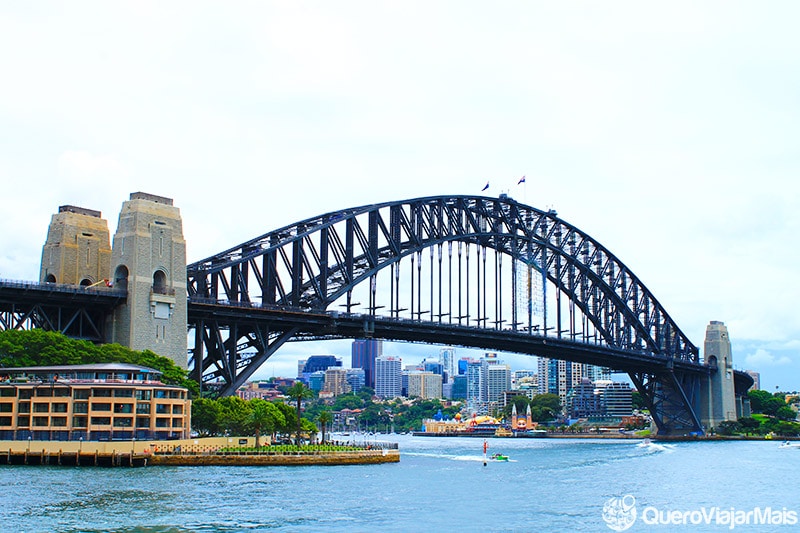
(299, 392)
(324, 419)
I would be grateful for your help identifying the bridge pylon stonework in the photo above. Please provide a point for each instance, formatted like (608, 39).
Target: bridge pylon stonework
(718, 392)
(77, 250)
(149, 261)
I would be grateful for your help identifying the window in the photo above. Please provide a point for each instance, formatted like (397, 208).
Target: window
(80, 407)
(162, 409)
(123, 422)
(5, 420)
(23, 421)
(177, 409)
(123, 407)
(61, 392)
(160, 393)
(143, 408)
(24, 407)
(177, 422)
(81, 394)
(59, 408)
(6, 407)
(101, 393)
(41, 421)
(101, 421)
(143, 394)
(41, 408)
(59, 421)
(44, 392)
(79, 421)
(101, 407)
(142, 422)
(162, 422)
(25, 394)
(7, 392)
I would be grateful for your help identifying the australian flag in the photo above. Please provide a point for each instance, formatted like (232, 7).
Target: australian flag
(485, 186)
(521, 180)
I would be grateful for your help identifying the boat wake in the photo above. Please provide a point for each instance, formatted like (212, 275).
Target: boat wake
(654, 447)
(473, 458)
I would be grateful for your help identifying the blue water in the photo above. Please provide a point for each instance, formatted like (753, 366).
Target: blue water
(440, 484)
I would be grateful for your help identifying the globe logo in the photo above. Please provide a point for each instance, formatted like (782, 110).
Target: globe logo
(620, 513)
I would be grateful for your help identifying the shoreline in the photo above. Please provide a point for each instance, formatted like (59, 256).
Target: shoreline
(184, 452)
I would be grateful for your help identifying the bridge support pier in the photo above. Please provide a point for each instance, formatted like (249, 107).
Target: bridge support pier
(718, 402)
(148, 259)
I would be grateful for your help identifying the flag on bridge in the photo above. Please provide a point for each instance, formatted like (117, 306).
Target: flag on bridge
(485, 186)
(521, 180)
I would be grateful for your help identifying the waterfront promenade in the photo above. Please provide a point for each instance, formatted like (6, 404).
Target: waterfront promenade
(214, 451)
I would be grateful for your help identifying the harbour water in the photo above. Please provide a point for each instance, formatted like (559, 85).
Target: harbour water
(440, 484)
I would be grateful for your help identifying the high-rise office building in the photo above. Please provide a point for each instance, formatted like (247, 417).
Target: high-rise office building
(559, 377)
(447, 357)
(356, 379)
(364, 352)
(388, 377)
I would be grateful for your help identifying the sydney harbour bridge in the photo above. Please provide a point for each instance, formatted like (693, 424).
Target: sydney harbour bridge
(470, 271)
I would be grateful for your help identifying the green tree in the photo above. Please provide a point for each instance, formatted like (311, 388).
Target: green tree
(749, 424)
(786, 413)
(758, 399)
(299, 392)
(324, 419)
(545, 407)
(234, 415)
(264, 417)
(729, 427)
(206, 415)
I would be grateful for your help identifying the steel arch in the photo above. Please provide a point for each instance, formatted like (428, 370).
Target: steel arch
(312, 263)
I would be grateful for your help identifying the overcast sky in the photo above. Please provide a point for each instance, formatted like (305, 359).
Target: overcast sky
(668, 132)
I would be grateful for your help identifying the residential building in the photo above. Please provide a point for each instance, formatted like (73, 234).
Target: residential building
(336, 381)
(91, 402)
(424, 385)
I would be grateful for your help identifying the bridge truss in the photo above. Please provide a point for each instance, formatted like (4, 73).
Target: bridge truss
(449, 265)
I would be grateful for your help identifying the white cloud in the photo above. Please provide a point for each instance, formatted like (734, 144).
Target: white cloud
(762, 358)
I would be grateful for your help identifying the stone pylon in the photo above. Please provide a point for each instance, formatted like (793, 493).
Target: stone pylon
(717, 393)
(149, 260)
(77, 250)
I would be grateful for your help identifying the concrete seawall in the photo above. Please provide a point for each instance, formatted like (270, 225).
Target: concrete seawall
(318, 459)
(189, 452)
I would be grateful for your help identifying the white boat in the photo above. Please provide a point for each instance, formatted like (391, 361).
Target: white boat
(787, 444)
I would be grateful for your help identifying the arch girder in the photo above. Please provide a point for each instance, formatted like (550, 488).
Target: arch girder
(323, 258)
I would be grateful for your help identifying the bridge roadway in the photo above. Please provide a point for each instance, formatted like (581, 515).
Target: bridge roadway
(319, 325)
(76, 311)
(46, 299)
